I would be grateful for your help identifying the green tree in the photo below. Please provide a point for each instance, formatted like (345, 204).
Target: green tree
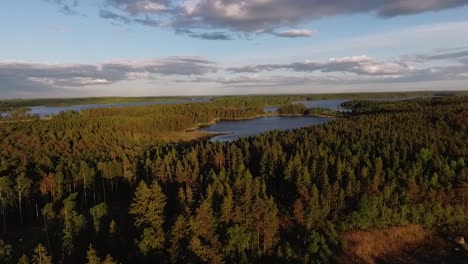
(240, 239)
(24, 260)
(91, 256)
(23, 188)
(87, 176)
(147, 209)
(205, 242)
(41, 256)
(109, 260)
(113, 228)
(6, 195)
(97, 213)
(48, 214)
(314, 210)
(73, 223)
(179, 232)
(5, 251)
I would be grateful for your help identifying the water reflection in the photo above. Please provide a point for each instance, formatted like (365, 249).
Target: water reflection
(246, 128)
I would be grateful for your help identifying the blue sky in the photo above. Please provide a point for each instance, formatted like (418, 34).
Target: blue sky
(68, 48)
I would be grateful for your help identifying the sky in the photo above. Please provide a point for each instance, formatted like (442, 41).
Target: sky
(84, 48)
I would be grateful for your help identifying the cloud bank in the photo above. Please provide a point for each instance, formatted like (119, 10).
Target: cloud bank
(17, 77)
(252, 16)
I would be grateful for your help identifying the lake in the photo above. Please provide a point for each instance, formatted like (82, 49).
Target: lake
(54, 110)
(246, 128)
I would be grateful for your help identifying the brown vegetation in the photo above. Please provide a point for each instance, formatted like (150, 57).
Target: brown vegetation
(403, 244)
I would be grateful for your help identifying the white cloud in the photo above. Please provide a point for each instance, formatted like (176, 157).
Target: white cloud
(253, 16)
(20, 77)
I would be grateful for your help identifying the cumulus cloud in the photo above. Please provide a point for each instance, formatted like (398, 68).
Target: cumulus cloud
(253, 16)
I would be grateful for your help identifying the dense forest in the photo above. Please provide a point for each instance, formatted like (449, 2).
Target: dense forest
(101, 186)
(12, 104)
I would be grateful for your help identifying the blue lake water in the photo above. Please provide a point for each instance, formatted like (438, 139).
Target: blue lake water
(246, 128)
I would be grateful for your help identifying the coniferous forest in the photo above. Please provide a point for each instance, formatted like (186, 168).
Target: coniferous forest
(103, 186)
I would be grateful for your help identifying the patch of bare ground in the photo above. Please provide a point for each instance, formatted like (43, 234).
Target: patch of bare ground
(404, 244)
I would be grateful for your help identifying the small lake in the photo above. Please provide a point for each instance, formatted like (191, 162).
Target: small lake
(54, 110)
(246, 128)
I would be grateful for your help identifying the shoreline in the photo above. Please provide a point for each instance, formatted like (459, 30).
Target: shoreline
(214, 121)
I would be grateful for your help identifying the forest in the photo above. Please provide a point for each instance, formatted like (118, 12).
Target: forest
(14, 104)
(104, 186)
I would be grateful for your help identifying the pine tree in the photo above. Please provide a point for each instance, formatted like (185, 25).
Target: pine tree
(113, 228)
(376, 180)
(108, 260)
(23, 188)
(41, 256)
(6, 195)
(147, 209)
(91, 256)
(204, 241)
(299, 212)
(73, 223)
(179, 232)
(5, 251)
(97, 213)
(24, 260)
(227, 206)
(314, 212)
(48, 214)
